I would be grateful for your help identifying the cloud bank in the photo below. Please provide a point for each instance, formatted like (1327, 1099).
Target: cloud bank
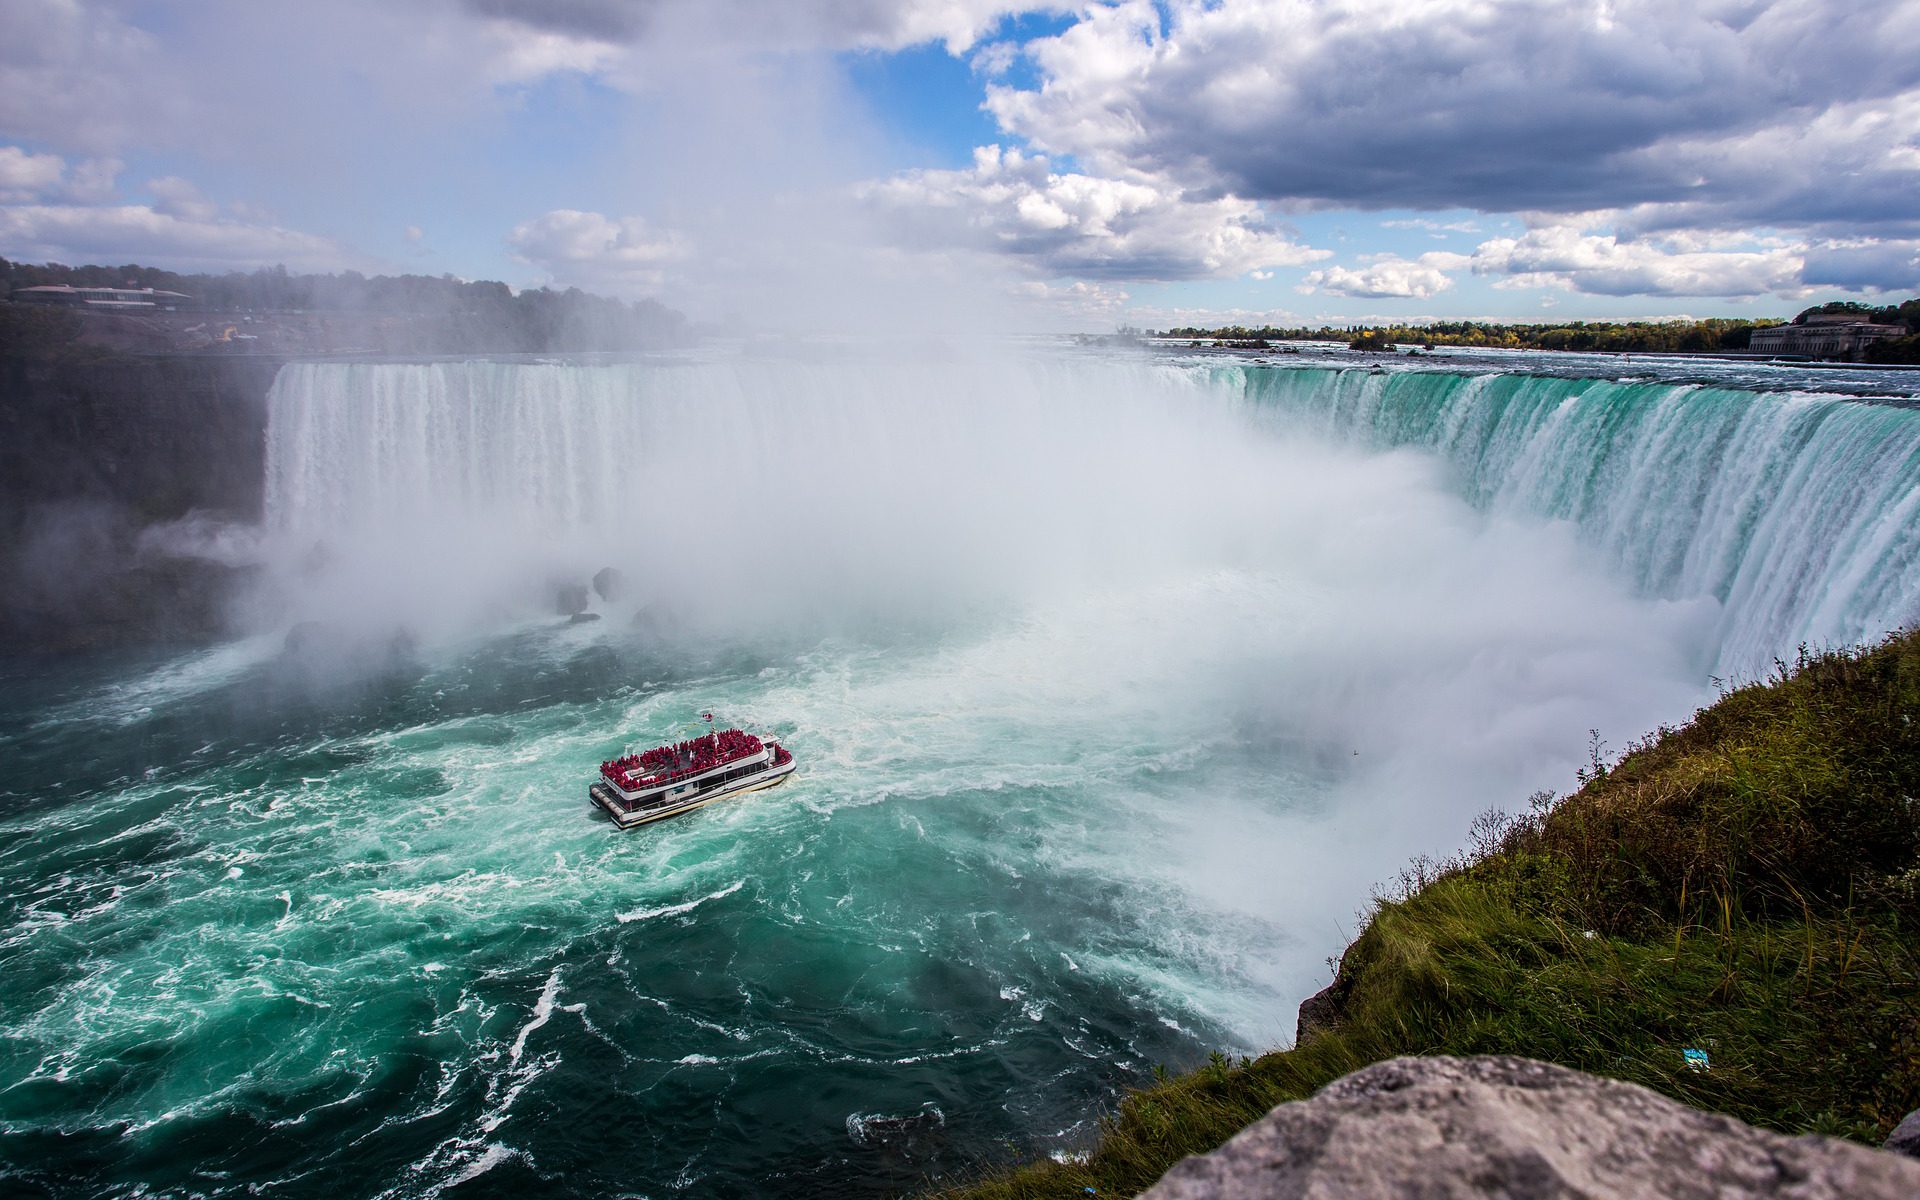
(1608, 148)
(1492, 105)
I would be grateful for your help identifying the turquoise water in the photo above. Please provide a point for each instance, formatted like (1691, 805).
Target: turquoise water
(1114, 687)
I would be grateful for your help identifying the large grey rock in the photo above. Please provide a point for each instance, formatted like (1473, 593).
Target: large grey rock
(1905, 1138)
(1447, 1128)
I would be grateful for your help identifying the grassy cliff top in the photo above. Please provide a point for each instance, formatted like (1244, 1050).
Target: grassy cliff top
(1747, 885)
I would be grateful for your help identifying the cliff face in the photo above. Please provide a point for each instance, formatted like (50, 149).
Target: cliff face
(108, 466)
(160, 437)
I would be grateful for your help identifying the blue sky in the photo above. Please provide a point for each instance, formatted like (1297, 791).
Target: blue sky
(990, 160)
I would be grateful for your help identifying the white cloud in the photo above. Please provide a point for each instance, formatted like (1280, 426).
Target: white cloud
(1080, 299)
(1865, 266)
(1563, 256)
(1791, 112)
(818, 24)
(519, 55)
(91, 181)
(994, 59)
(26, 177)
(1065, 223)
(139, 233)
(1389, 276)
(50, 210)
(253, 77)
(1849, 170)
(75, 74)
(590, 250)
(1438, 229)
(176, 197)
(1181, 316)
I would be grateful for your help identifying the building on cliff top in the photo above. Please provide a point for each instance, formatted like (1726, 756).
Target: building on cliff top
(1823, 335)
(100, 297)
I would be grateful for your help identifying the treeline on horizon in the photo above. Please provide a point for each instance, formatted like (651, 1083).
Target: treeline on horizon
(1711, 336)
(451, 315)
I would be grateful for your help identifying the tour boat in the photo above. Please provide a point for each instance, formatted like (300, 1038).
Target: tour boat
(666, 781)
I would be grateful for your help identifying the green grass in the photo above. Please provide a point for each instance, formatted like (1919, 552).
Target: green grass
(1748, 884)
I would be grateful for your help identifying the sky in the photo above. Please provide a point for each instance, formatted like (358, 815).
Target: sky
(1005, 163)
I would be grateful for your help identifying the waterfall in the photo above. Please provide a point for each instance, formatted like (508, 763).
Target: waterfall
(1795, 512)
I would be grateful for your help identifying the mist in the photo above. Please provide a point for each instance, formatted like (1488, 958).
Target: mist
(1111, 556)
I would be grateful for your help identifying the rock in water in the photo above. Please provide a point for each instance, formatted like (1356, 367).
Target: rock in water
(1447, 1128)
(571, 598)
(310, 639)
(610, 583)
(1905, 1138)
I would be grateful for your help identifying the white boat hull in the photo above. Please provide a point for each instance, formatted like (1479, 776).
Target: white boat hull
(629, 816)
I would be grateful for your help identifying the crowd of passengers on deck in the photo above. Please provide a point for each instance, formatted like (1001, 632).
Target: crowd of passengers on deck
(666, 764)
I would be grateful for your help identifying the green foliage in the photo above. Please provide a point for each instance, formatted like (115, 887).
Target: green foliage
(1907, 314)
(1748, 885)
(35, 331)
(1852, 308)
(1896, 350)
(1717, 335)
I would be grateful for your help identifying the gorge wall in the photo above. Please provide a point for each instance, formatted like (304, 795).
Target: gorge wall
(116, 472)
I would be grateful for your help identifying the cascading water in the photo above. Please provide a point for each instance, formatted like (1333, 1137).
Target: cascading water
(1796, 512)
(1114, 686)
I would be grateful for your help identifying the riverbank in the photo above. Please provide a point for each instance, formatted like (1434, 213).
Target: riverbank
(1746, 886)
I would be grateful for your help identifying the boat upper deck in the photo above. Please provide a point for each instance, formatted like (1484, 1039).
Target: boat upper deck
(664, 766)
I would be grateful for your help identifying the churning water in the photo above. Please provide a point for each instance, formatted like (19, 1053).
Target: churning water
(1114, 686)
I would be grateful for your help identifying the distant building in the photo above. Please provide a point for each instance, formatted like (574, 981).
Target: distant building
(1823, 335)
(100, 297)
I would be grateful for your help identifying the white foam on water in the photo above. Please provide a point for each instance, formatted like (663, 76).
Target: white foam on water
(675, 910)
(127, 701)
(542, 1012)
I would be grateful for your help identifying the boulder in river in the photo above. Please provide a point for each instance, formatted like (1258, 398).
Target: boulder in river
(610, 583)
(310, 639)
(571, 598)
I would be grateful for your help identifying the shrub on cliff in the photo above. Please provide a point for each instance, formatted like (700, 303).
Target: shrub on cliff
(1896, 350)
(36, 331)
